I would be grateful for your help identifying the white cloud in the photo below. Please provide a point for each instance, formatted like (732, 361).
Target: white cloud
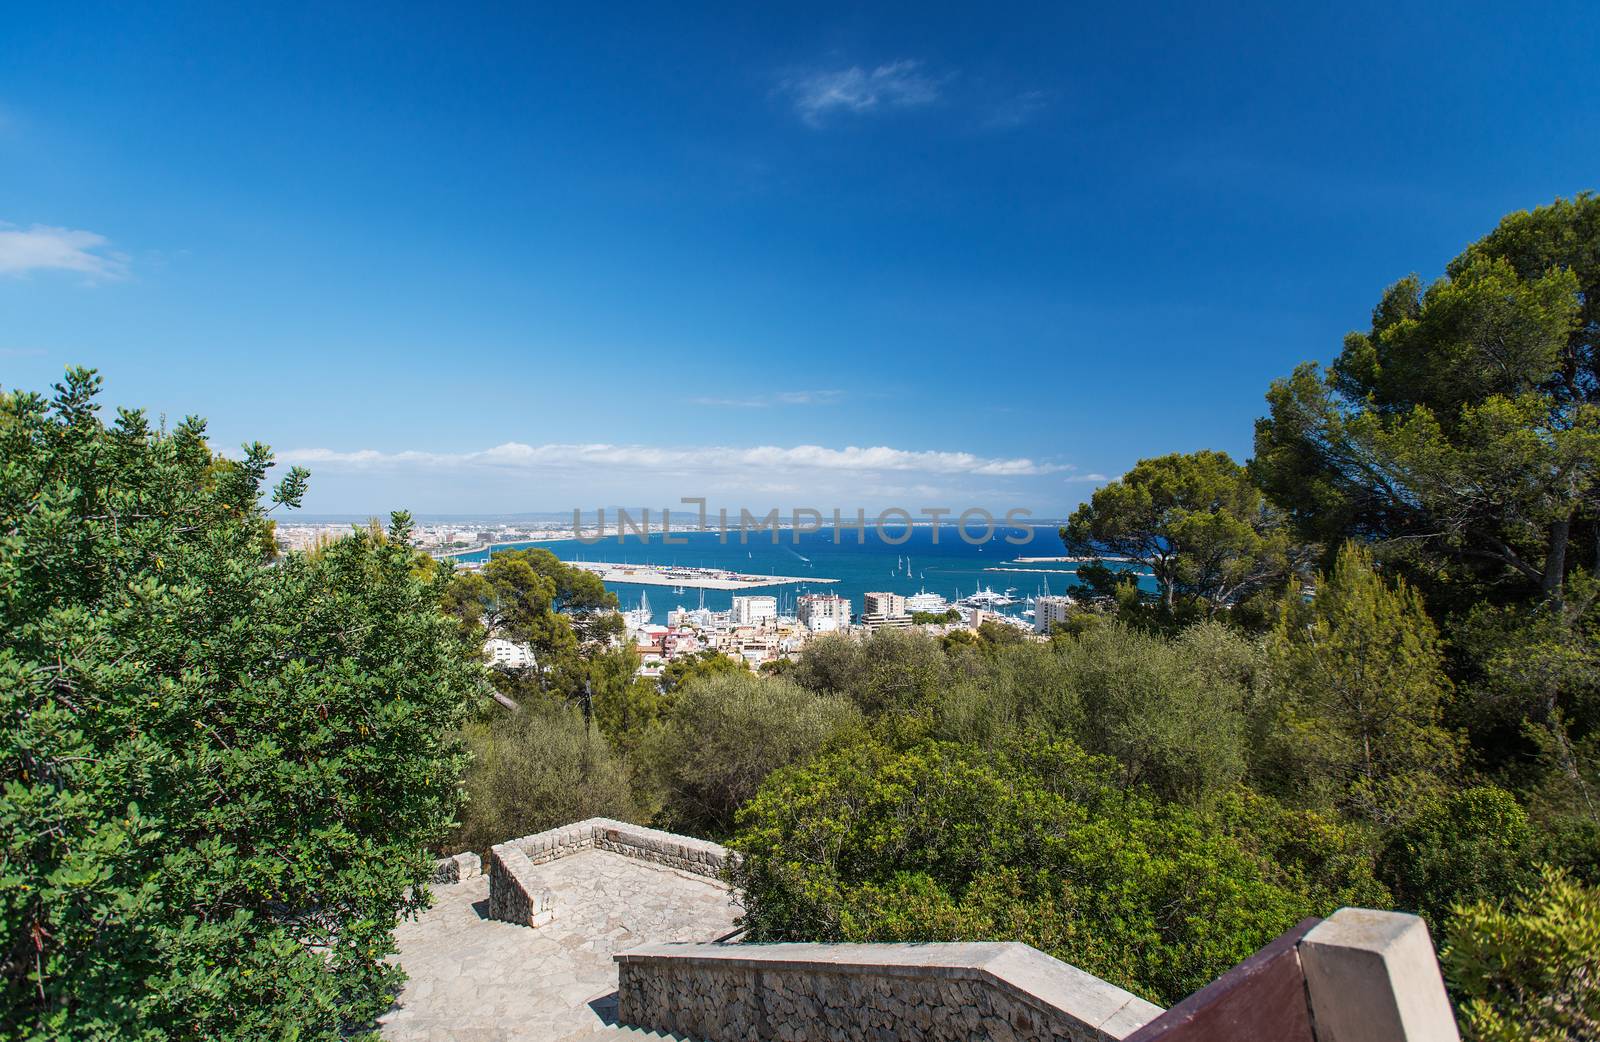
(762, 401)
(823, 92)
(41, 247)
(765, 460)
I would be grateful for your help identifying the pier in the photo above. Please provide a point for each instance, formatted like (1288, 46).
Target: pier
(1066, 560)
(679, 575)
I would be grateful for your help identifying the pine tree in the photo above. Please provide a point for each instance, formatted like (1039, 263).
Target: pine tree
(1360, 675)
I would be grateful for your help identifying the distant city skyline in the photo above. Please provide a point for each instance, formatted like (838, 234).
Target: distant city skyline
(482, 262)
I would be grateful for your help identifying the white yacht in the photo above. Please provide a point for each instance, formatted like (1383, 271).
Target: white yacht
(987, 598)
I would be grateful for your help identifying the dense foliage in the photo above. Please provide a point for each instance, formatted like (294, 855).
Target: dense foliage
(1524, 969)
(1196, 521)
(537, 768)
(221, 774)
(1042, 844)
(724, 735)
(1361, 682)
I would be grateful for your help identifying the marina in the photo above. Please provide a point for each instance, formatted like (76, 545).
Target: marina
(932, 570)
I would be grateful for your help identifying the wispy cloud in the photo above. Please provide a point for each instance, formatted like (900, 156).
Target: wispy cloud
(762, 401)
(762, 459)
(731, 403)
(1018, 109)
(42, 248)
(808, 397)
(820, 93)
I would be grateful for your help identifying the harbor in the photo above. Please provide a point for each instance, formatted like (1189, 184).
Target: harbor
(681, 577)
(933, 570)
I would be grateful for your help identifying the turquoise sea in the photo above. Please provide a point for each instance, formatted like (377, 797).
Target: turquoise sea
(898, 560)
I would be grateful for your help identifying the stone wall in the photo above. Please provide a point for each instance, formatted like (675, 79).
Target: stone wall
(514, 892)
(685, 853)
(455, 869)
(934, 992)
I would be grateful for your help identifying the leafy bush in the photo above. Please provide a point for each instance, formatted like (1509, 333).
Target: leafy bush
(1170, 716)
(1170, 711)
(891, 671)
(725, 734)
(1462, 846)
(1042, 845)
(537, 768)
(1019, 688)
(1530, 971)
(221, 776)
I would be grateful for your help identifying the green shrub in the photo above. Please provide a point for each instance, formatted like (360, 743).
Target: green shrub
(537, 768)
(892, 671)
(950, 842)
(1022, 687)
(1529, 971)
(724, 735)
(1461, 846)
(1173, 718)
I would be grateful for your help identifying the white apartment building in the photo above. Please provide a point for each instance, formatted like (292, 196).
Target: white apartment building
(505, 654)
(823, 612)
(1047, 610)
(755, 611)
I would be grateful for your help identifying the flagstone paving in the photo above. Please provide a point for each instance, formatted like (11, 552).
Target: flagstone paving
(474, 979)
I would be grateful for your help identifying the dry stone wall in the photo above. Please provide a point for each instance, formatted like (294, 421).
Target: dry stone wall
(457, 868)
(514, 893)
(850, 992)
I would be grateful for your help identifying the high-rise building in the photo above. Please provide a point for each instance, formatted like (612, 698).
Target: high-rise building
(888, 605)
(1047, 610)
(879, 610)
(755, 611)
(823, 612)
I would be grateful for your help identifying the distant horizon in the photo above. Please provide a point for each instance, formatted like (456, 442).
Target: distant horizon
(557, 517)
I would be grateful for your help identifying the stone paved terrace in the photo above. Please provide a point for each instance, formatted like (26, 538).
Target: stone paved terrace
(474, 979)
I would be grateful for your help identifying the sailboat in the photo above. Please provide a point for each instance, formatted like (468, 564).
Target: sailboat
(640, 616)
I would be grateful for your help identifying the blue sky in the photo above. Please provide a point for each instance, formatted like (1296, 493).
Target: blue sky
(484, 259)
